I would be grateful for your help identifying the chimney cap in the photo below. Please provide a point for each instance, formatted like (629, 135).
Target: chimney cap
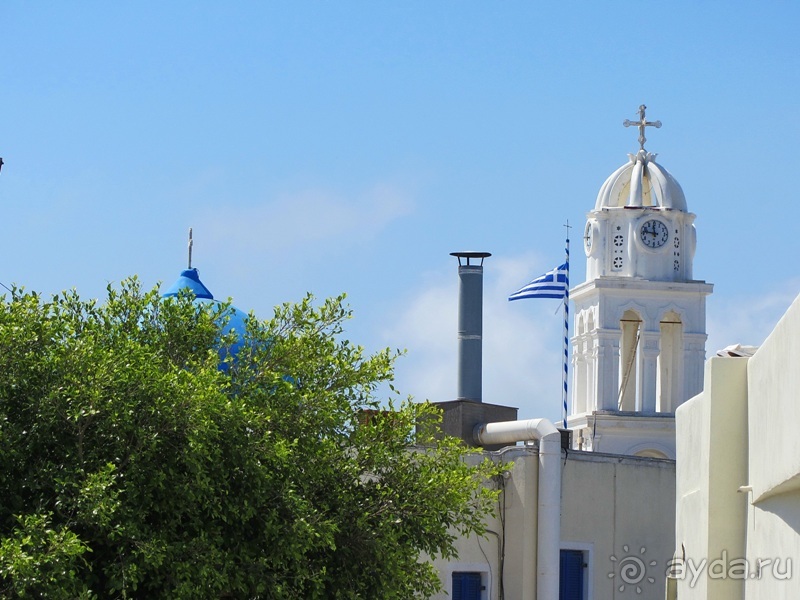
(470, 254)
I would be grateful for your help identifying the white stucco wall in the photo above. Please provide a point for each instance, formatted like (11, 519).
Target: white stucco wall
(774, 387)
(773, 522)
(741, 432)
(711, 466)
(517, 508)
(773, 548)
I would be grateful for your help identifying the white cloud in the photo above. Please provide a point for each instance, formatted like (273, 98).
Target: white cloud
(306, 217)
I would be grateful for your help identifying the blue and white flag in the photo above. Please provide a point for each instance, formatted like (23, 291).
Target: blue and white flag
(553, 284)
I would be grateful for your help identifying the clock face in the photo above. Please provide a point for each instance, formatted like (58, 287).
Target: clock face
(588, 238)
(654, 234)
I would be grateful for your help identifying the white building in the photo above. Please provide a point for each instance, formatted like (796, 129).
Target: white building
(590, 513)
(738, 476)
(615, 514)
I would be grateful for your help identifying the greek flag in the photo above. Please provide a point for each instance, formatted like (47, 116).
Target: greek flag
(553, 284)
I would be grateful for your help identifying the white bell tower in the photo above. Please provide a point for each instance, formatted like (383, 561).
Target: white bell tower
(639, 344)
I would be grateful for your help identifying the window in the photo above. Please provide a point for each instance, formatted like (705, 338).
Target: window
(467, 585)
(570, 585)
(670, 363)
(631, 325)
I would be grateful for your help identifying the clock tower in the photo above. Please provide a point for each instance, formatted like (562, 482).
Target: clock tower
(639, 343)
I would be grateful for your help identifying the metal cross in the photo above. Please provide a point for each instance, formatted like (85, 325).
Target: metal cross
(641, 124)
(190, 247)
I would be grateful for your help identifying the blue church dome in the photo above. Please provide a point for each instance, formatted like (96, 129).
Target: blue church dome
(236, 318)
(189, 280)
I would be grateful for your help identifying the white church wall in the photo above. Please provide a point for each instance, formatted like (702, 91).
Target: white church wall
(619, 510)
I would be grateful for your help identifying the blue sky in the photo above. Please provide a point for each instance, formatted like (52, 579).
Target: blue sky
(351, 146)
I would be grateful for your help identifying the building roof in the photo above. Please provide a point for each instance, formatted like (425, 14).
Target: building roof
(641, 182)
(190, 280)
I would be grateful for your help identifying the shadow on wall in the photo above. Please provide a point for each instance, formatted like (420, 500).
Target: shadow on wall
(784, 506)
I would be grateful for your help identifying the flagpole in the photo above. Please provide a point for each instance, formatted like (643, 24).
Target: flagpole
(553, 284)
(566, 329)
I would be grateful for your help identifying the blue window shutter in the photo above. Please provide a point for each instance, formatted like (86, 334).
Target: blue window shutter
(570, 585)
(466, 585)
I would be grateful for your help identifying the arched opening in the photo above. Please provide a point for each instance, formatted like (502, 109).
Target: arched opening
(669, 363)
(579, 367)
(631, 326)
(651, 453)
(590, 381)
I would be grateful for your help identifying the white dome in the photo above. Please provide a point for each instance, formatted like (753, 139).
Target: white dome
(642, 182)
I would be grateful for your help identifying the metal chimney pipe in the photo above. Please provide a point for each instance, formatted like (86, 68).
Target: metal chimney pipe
(470, 324)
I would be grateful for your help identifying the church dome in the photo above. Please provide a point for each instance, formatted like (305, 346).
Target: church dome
(642, 182)
(235, 318)
(189, 280)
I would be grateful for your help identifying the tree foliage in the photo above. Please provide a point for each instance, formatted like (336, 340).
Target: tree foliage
(132, 466)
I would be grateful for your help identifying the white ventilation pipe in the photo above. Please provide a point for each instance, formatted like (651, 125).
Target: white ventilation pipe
(549, 493)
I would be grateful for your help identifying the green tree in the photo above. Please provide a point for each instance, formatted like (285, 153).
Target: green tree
(133, 466)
